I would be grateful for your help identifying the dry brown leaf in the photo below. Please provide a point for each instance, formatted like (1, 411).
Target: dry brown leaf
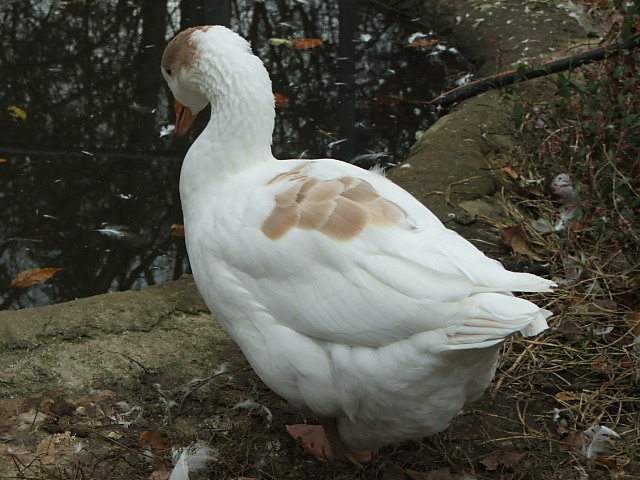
(510, 171)
(423, 42)
(32, 277)
(516, 239)
(579, 225)
(491, 462)
(3, 160)
(177, 230)
(619, 461)
(281, 100)
(606, 462)
(565, 396)
(306, 43)
(612, 19)
(570, 439)
(153, 439)
(509, 460)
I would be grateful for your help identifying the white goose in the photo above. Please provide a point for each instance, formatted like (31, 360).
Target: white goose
(348, 297)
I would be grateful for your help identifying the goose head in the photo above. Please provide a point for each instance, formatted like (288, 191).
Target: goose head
(212, 64)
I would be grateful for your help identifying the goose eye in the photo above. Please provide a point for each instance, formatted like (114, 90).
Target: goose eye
(168, 71)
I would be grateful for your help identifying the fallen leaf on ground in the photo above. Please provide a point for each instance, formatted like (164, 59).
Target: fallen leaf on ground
(510, 171)
(306, 43)
(153, 439)
(32, 277)
(17, 112)
(423, 42)
(606, 462)
(569, 439)
(509, 460)
(577, 226)
(565, 396)
(177, 230)
(281, 100)
(2, 160)
(614, 463)
(516, 239)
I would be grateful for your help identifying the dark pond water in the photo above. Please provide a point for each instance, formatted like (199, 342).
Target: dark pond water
(89, 157)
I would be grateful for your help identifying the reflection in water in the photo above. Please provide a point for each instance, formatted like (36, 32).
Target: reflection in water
(89, 158)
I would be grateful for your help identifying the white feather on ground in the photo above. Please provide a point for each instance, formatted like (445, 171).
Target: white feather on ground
(597, 441)
(192, 459)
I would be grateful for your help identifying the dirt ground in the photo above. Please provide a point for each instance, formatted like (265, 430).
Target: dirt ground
(105, 387)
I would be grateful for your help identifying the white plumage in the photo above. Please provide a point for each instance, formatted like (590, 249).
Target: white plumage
(348, 297)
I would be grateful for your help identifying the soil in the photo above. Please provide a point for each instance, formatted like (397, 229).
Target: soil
(106, 387)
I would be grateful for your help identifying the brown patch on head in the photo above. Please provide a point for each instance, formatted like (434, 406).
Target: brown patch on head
(341, 208)
(180, 50)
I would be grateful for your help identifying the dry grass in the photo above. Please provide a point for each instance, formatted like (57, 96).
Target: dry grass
(588, 364)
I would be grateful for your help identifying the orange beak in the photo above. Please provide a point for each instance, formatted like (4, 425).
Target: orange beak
(184, 119)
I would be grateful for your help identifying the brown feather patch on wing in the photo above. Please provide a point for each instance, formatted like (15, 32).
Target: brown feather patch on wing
(341, 208)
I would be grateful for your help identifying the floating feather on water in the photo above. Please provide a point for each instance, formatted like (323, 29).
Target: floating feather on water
(117, 232)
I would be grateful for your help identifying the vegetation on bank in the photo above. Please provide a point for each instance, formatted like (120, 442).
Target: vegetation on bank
(573, 183)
